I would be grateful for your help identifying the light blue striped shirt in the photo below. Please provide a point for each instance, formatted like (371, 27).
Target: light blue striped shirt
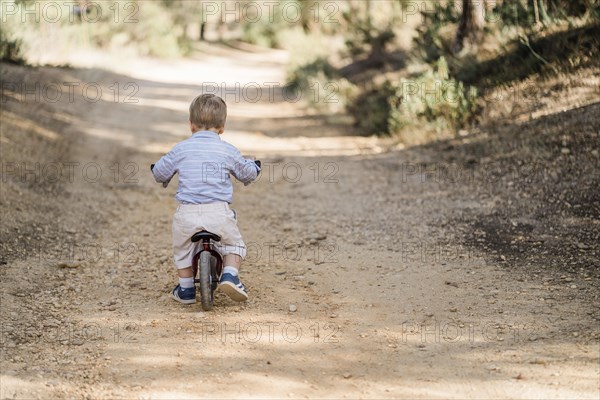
(204, 163)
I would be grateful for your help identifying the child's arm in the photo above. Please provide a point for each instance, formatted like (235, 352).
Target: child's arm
(245, 170)
(165, 169)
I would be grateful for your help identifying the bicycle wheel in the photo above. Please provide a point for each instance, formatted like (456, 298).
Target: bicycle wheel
(206, 293)
(213, 273)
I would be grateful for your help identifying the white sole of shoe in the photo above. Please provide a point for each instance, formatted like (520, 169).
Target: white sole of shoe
(233, 292)
(182, 301)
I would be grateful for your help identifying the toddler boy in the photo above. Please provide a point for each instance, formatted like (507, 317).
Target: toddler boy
(204, 163)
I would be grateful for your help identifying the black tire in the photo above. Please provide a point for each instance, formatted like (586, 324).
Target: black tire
(213, 272)
(206, 293)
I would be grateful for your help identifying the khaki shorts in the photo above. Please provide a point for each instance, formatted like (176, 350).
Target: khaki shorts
(214, 217)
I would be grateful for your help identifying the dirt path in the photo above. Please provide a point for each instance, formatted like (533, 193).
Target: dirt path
(359, 285)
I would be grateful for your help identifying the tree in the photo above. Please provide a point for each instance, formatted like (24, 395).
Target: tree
(470, 27)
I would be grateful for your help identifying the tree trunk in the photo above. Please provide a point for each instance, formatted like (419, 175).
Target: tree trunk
(470, 27)
(202, 30)
(536, 13)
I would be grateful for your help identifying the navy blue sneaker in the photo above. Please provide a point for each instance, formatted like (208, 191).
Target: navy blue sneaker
(185, 296)
(232, 287)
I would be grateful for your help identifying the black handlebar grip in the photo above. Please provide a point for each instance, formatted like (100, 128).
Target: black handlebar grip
(257, 162)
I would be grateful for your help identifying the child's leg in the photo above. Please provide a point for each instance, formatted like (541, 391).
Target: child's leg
(183, 251)
(185, 272)
(232, 264)
(230, 282)
(232, 260)
(185, 292)
(233, 249)
(186, 278)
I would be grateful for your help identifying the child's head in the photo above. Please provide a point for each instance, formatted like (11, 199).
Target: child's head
(208, 112)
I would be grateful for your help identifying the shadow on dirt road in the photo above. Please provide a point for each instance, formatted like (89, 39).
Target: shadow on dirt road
(361, 283)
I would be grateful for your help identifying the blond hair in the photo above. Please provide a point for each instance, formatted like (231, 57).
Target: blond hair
(208, 111)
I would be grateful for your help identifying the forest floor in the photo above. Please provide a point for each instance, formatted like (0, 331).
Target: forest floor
(460, 269)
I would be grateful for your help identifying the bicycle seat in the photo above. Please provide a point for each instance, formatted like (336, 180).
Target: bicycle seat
(205, 235)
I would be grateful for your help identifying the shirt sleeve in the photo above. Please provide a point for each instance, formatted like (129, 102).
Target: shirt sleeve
(165, 168)
(244, 170)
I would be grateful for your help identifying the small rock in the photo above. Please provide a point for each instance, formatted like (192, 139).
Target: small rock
(67, 265)
(565, 150)
(538, 361)
(347, 375)
(292, 308)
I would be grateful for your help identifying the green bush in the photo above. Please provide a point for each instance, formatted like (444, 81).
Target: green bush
(431, 102)
(299, 77)
(372, 109)
(434, 97)
(147, 29)
(10, 49)
(265, 31)
(428, 42)
(321, 85)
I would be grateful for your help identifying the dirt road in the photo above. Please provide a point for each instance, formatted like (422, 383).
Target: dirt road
(360, 285)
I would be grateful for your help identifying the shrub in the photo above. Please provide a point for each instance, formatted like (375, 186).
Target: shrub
(431, 102)
(372, 109)
(321, 85)
(10, 49)
(148, 31)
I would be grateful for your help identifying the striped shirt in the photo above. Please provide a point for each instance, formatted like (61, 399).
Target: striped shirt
(204, 163)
